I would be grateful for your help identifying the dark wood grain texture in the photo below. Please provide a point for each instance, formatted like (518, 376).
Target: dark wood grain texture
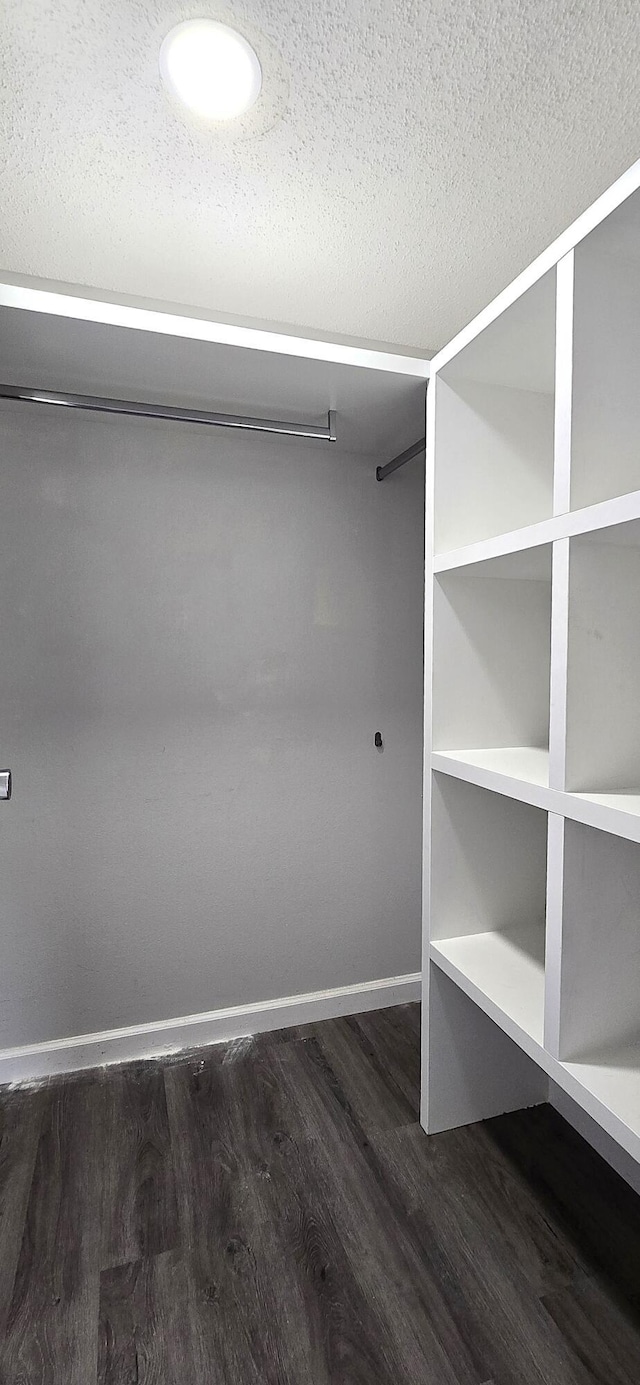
(50, 1332)
(270, 1211)
(21, 1115)
(146, 1329)
(139, 1213)
(369, 1083)
(601, 1330)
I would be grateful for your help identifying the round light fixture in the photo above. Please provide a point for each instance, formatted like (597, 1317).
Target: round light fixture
(211, 69)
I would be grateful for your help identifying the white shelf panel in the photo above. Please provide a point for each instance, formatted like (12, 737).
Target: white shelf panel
(521, 772)
(503, 971)
(512, 770)
(589, 520)
(605, 460)
(512, 542)
(613, 803)
(612, 1079)
(603, 670)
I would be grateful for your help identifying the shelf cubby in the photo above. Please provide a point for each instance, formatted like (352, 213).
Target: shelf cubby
(600, 992)
(532, 936)
(489, 924)
(494, 426)
(603, 667)
(491, 653)
(605, 451)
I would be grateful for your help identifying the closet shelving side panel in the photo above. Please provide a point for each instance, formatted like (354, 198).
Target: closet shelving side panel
(476, 1071)
(432, 396)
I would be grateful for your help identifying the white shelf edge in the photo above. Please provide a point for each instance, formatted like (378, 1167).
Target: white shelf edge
(62, 300)
(604, 515)
(576, 807)
(564, 1074)
(581, 227)
(520, 1036)
(506, 784)
(514, 542)
(603, 1115)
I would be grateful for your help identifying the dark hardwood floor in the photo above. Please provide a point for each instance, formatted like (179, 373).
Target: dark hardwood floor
(270, 1211)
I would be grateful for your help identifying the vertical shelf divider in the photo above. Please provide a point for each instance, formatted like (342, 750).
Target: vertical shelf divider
(427, 778)
(563, 386)
(553, 942)
(559, 650)
(559, 664)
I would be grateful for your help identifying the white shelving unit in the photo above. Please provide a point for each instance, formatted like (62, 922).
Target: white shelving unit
(532, 763)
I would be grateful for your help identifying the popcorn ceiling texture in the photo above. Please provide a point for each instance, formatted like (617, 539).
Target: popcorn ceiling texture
(410, 158)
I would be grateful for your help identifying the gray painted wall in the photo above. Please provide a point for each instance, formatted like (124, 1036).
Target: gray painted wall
(200, 634)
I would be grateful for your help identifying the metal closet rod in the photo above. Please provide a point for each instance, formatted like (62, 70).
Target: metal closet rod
(409, 452)
(127, 406)
(402, 457)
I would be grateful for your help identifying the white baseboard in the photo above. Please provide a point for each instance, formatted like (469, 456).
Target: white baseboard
(33, 1061)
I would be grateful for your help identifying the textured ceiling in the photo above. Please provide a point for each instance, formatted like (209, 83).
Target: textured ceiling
(408, 158)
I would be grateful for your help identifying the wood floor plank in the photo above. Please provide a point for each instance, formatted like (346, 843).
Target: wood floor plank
(292, 1145)
(21, 1115)
(324, 1114)
(368, 1084)
(139, 1213)
(458, 1243)
(394, 1045)
(421, 1339)
(241, 1313)
(502, 1196)
(602, 1331)
(277, 1206)
(146, 1329)
(572, 1186)
(51, 1330)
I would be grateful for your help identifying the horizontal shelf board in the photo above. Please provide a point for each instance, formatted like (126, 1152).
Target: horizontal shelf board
(612, 1079)
(618, 802)
(517, 771)
(566, 526)
(521, 772)
(514, 542)
(503, 971)
(618, 813)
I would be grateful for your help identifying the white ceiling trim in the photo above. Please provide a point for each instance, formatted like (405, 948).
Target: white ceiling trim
(170, 323)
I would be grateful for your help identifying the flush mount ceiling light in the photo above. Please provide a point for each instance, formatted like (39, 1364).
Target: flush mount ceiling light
(211, 69)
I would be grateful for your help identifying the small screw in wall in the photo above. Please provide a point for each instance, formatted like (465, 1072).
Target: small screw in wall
(377, 741)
